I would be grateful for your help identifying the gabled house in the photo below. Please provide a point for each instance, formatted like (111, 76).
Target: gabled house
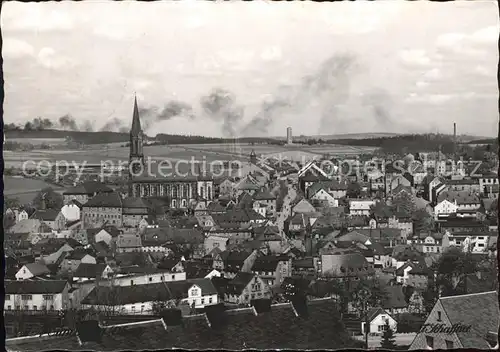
(36, 295)
(47, 216)
(73, 259)
(245, 287)
(85, 191)
(303, 206)
(377, 320)
(232, 262)
(31, 270)
(90, 272)
(475, 316)
(273, 268)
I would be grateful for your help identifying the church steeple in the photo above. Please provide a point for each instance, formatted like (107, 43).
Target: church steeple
(136, 140)
(136, 121)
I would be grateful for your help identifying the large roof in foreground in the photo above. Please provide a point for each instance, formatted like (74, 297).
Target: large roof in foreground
(316, 325)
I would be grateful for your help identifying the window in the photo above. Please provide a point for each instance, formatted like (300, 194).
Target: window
(35, 307)
(449, 344)
(131, 282)
(430, 341)
(173, 277)
(246, 297)
(48, 297)
(210, 300)
(142, 308)
(194, 292)
(9, 307)
(439, 316)
(203, 301)
(7, 297)
(150, 279)
(26, 297)
(162, 278)
(133, 308)
(26, 307)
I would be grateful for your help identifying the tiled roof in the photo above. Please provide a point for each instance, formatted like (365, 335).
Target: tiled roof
(89, 187)
(45, 215)
(264, 195)
(119, 295)
(461, 197)
(34, 287)
(37, 269)
(105, 200)
(238, 283)
(128, 241)
(238, 329)
(89, 270)
(268, 263)
(480, 311)
(135, 202)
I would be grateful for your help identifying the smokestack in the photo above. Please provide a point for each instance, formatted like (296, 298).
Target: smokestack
(454, 131)
(289, 139)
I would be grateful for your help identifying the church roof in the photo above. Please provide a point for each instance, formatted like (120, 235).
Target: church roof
(136, 122)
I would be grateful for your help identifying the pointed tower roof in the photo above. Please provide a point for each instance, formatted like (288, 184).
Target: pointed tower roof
(136, 122)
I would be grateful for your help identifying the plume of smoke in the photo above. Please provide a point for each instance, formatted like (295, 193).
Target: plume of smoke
(220, 105)
(380, 103)
(175, 108)
(67, 122)
(87, 126)
(325, 88)
(114, 125)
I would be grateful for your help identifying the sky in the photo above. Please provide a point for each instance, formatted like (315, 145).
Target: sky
(254, 68)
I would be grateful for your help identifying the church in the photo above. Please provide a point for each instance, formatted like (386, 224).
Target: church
(182, 190)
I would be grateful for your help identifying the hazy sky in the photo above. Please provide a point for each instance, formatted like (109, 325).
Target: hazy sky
(385, 66)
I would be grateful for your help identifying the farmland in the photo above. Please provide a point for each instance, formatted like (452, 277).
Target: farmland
(208, 152)
(25, 189)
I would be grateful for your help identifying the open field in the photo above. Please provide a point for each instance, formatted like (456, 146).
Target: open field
(207, 152)
(25, 189)
(37, 141)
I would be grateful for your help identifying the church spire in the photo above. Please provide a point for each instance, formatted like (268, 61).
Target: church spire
(136, 122)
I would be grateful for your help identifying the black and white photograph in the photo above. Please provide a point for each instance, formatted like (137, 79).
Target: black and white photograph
(265, 175)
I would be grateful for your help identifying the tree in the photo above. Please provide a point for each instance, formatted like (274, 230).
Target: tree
(49, 199)
(28, 126)
(388, 339)
(353, 190)
(423, 221)
(11, 203)
(404, 202)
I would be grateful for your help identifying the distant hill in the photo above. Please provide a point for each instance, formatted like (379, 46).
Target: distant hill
(119, 137)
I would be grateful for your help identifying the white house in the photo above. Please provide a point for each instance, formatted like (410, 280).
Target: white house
(133, 276)
(36, 295)
(378, 318)
(32, 270)
(141, 300)
(22, 215)
(360, 206)
(445, 208)
(323, 195)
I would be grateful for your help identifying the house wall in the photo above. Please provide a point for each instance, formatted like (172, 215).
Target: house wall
(212, 242)
(133, 220)
(58, 301)
(97, 216)
(323, 195)
(378, 323)
(420, 343)
(255, 289)
(360, 207)
(145, 279)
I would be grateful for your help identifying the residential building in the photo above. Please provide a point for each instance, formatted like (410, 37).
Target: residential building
(245, 287)
(465, 321)
(36, 295)
(73, 259)
(360, 206)
(32, 270)
(273, 269)
(128, 242)
(378, 319)
(85, 191)
(91, 272)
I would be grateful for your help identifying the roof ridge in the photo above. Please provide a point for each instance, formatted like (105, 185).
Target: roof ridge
(469, 294)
